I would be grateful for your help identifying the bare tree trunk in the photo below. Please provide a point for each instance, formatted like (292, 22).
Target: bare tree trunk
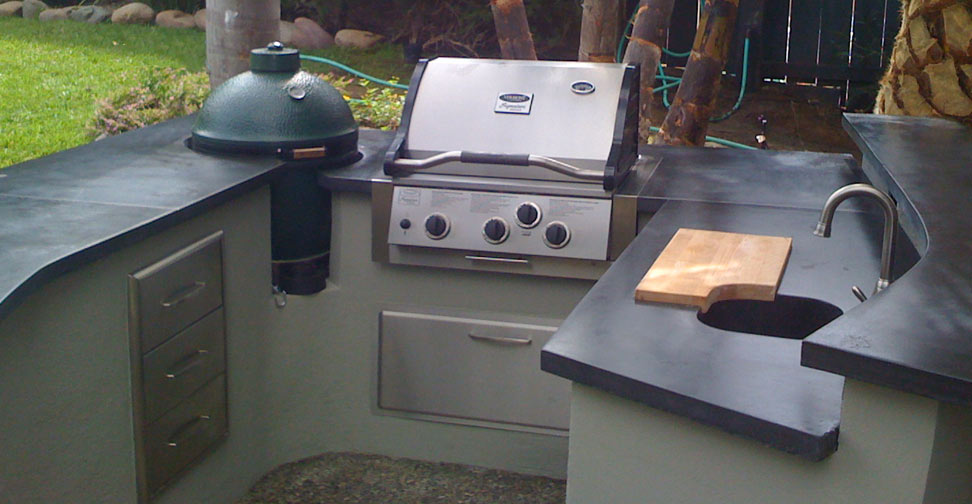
(645, 47)
(930, 73)
(233, 28)
(513, 30)
(600, 30)
(688, 117)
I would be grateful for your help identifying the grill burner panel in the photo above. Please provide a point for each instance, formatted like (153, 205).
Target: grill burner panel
(473, 216)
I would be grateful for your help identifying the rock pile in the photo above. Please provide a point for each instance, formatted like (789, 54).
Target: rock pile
(302, 33)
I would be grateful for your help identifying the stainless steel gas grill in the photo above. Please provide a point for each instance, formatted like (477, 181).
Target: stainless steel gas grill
(511, 166)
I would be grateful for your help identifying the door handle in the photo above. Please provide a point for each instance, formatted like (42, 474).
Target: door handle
(502, 340)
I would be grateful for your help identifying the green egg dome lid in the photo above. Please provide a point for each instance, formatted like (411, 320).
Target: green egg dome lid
(277, 109)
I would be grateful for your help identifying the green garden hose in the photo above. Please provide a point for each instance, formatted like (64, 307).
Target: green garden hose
(742, 84)
(352, 71)
(720, 141)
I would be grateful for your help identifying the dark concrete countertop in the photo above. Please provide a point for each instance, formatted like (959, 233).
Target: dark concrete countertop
(68, 209)
(916, 335)
(358, 176)
(746, 384)
(62, 211)
(781, 179)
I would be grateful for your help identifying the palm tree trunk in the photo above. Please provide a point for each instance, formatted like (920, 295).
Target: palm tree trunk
(513, 30)
(645, 47)
(930, 73)
(600, 30)
(688, 117)
(233, 28)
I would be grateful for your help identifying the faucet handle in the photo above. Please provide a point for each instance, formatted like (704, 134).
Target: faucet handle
(858, 293)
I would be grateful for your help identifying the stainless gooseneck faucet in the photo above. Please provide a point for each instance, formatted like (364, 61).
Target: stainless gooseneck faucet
(890, 227)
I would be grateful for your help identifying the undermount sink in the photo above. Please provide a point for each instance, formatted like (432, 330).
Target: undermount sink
(786, 317)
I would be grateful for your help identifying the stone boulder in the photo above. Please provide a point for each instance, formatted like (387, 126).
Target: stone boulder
(175, 19)
(200, 19)
(358, 39)
(317, 38)
(295, 37)
(55, 14)
(133, 13)
(92, 14)
(11, 9)
(287, 30)
(32, 8)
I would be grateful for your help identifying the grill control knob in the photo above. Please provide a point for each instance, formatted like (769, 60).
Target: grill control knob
(528, 215)
(556, 235)
(496, 230)
(437, 226)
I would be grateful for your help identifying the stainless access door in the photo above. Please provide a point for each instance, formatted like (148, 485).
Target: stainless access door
(469, 368)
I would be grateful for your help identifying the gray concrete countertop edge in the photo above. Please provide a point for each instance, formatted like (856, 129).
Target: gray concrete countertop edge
(780, 437)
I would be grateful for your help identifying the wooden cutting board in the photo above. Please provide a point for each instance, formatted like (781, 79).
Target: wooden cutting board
(699, 268)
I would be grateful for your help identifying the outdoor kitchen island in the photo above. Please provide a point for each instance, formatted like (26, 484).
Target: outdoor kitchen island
(903, 411)
(303, 379)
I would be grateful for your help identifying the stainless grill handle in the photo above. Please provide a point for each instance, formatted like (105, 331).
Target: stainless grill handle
(501, 159)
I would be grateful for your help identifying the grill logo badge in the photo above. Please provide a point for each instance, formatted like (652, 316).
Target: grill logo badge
(582, 87)
(513, 103)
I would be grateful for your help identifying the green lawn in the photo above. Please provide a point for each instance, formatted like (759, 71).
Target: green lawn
(52, 73)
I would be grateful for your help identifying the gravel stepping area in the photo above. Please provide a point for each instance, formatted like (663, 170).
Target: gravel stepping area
(355, 478)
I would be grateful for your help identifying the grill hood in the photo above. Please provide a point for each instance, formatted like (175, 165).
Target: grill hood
(277, 109)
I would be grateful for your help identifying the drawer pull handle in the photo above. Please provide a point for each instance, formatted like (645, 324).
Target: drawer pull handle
(186, 364)
(502, 340)
(183, 294)
(187, 430)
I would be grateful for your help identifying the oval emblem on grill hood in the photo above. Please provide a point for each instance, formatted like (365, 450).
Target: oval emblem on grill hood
(514, 97)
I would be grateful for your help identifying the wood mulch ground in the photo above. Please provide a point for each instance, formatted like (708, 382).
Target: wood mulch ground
(797, 119)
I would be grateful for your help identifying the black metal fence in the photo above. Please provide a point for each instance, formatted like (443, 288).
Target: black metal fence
(841, 44)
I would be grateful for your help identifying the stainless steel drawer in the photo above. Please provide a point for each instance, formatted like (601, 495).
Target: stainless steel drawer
(176, 291)
(469, 368)
(176, 368)
(184, 433)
